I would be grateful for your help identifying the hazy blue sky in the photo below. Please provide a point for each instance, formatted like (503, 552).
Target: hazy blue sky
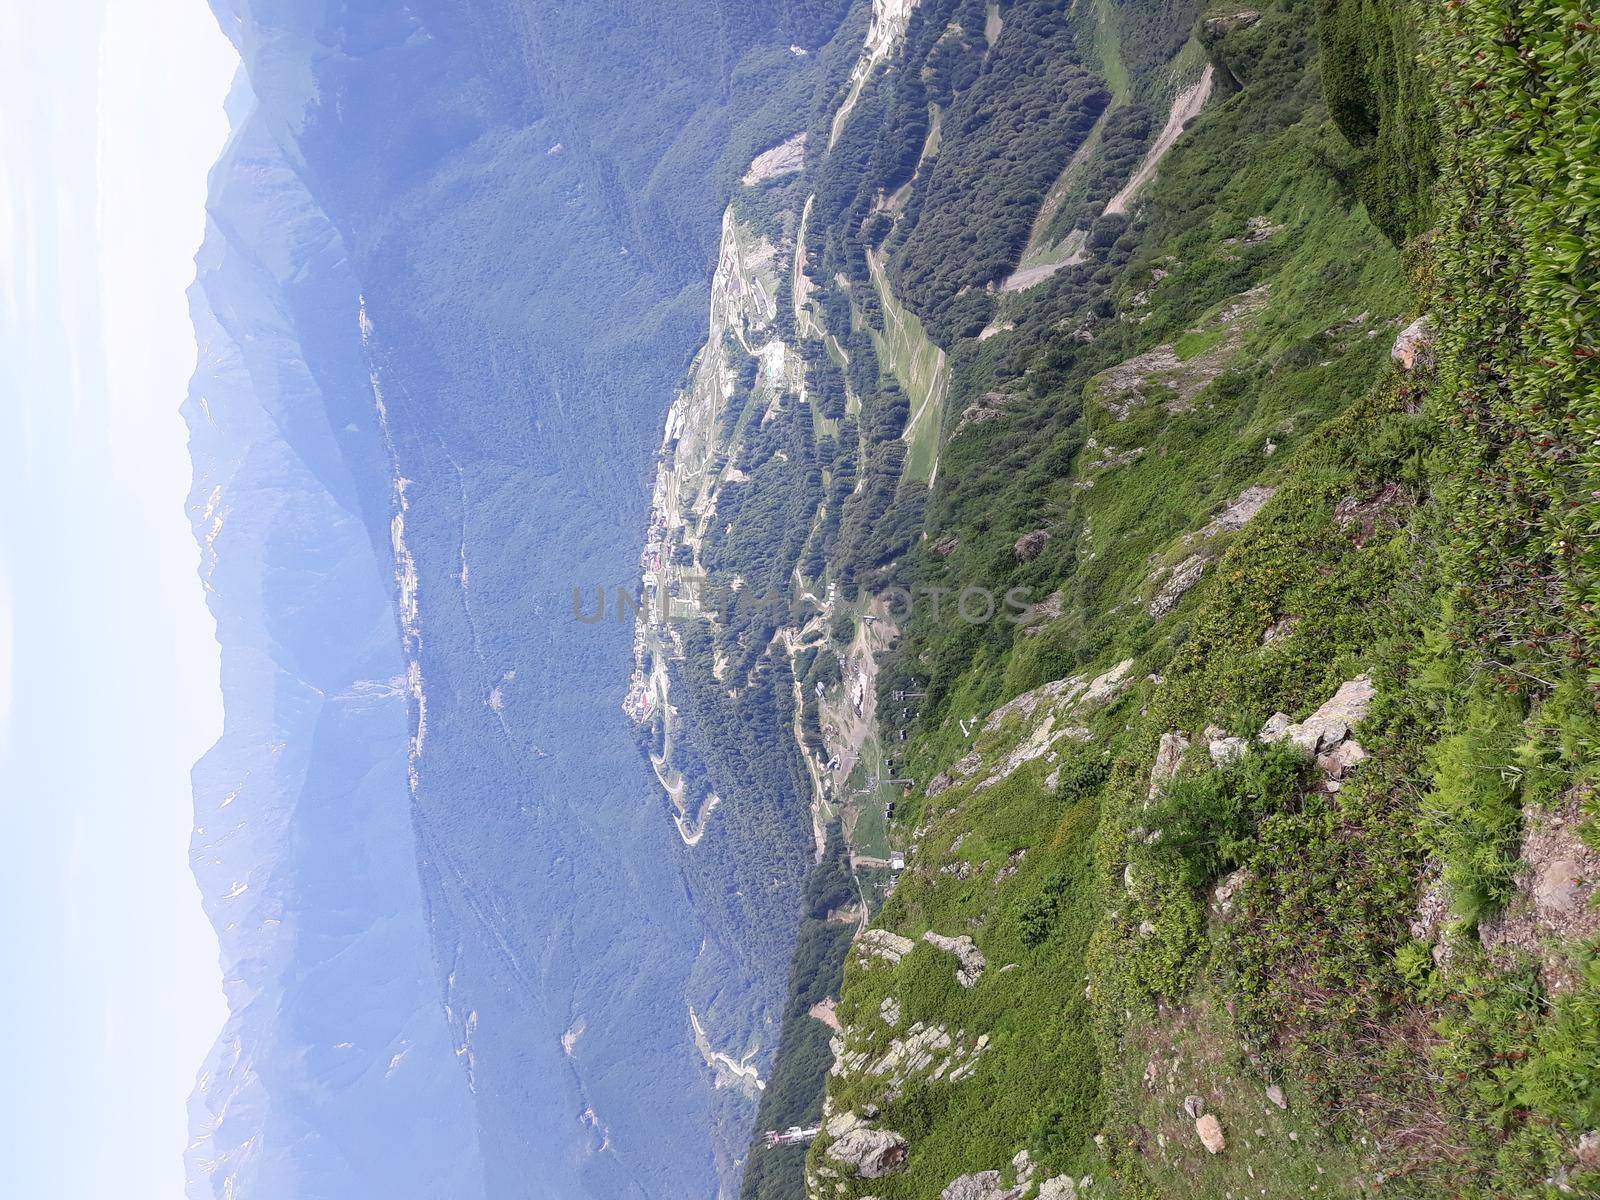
(108, 671)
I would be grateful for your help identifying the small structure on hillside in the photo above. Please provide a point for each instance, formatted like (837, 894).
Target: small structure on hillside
(792, 1136)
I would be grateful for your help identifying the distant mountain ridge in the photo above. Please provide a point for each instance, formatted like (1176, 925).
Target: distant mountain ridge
(458, 255)
(336, 1073)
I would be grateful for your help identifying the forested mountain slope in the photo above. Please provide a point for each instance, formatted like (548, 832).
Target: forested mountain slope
(1139, 472)
(457, 258)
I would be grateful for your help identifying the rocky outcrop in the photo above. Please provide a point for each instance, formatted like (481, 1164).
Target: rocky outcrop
(1169, 756)
(1105, 458)
(1032, 620)
(1177, 584)
(842, 1123)
(1105, 686)
(1275, 728)
(983, 1185)
(1362, 517)
(1061, 1187)
(1432, 911)
(1324, 730)
(1022, 1162)
(932, 1051)
(1055, 701)
(1223, 749)
(966, 952)
(1215, 32)
(881, 943)
(1223, 898)
(1177, 581)
(1040, 743)
(1030, 545)
(1238, 514)
(960, 771)
(1071, 690)
(1414, 346)
(1223, 24)
(870, 1153)
(991, 406)
(1278, 630)
(1342, 759)
(1257, 229)
(1177, 380)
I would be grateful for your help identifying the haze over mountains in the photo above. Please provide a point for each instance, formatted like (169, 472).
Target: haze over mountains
(457, 257)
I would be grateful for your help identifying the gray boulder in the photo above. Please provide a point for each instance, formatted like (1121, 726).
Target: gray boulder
(1330, 725)
(1415, 343)
(1225, 750)
(873, 1153)
(1030, 545)
(1182, 577)
(884, 944)
(965, 950)
(1169, 755)
(1276, 728)
(1342, 759)
(983, 1185)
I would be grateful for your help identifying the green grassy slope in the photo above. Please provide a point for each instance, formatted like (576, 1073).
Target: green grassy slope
(1373, 948)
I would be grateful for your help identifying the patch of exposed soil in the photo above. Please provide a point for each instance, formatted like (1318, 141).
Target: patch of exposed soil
(1553, 911)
